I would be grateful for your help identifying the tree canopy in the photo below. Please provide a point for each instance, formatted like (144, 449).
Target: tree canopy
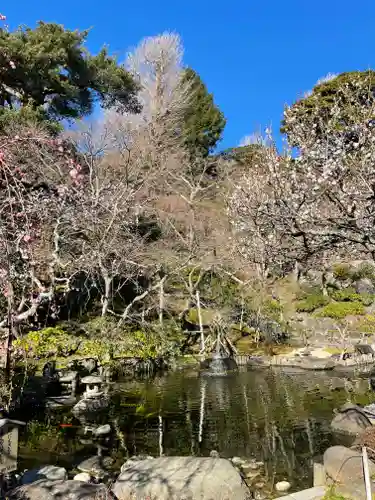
(337, 101)
(48, 70)
(203, 121)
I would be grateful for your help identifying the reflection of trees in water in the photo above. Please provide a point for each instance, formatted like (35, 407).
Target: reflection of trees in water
(201, 409)
(262, 416)
(266, 415)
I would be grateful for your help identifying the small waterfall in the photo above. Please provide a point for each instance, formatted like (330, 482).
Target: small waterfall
(218, 366)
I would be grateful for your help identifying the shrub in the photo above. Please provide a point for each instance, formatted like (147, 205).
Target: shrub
(273, 308)
(350, 295)
(52, 341)
(95, 348)
(332, 495)
(100, 327)
(311, 302)
(346, 295)
(365, 270)
(42, 436)
(307, 290)
(339, 310)
(367, 299)
(366, 324)
(342, 272)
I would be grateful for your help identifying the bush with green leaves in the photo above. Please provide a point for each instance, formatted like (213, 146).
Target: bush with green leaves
(366, 324)
(103, 327)
(49, 342)
(42, 436)
(346, 295)
(342, 272)
(312, 302)
(272, 308)
(96, 348)
(367, 299)
(339, 310)
(350, 295)
(364, 271)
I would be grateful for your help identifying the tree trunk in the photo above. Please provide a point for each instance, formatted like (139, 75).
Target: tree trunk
(107, 294)
(161, 304)
(200, 321)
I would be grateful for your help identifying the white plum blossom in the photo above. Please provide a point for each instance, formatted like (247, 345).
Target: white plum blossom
(296, 210)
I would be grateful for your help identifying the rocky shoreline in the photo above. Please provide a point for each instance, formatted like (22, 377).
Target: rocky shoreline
(316, 359)
(142, 477)
(147, 477)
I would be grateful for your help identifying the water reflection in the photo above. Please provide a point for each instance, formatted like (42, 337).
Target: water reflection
(280, 419)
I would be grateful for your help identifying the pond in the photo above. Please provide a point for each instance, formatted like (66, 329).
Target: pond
(282, 419)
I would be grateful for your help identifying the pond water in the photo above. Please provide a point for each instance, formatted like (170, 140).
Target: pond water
(282, 419)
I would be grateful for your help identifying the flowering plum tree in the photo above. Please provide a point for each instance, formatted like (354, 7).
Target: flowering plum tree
(41, 184)
(323, 201)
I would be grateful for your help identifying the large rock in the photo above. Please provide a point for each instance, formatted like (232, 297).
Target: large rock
(351, 420)
(132, 460)
(45, 472)
(174, 478)
(365, 286)
(344, 465)
(304, 362)
(82, 476)
(353, 489)
(45, 489)
(96, 466)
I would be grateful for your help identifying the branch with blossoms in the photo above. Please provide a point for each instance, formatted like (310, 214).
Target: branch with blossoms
(40, 184)
(320, 204)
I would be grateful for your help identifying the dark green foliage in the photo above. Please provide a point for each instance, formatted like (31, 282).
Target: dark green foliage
(350, 90)
(246, 155)
(203, 122)
(49, 71)
(339, 310)
(14, 118)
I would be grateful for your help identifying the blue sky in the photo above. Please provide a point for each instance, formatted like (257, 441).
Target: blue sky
(253, 56)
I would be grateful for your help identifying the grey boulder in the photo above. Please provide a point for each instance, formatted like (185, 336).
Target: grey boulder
(351, 420)
(344, 465)
(45, 472)
(182, 478)
(45, 489)
(365, 286)
(96, 466)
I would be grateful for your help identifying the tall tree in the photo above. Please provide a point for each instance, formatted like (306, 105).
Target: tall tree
(175, 102)
(203, 122)
(50, 72)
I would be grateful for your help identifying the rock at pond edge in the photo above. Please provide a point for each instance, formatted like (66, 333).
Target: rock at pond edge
(45, 489)
(172, 478)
